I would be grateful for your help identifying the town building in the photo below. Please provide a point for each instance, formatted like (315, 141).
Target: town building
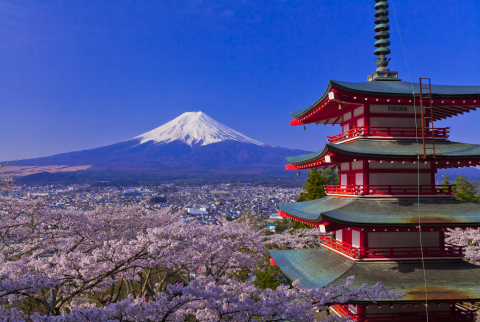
(386, 221)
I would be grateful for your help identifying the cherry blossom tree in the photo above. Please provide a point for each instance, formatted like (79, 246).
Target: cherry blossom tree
(295, 239)
(106, 264)
(85, 252)
(6, 181)
(468, 238)
(230, 301)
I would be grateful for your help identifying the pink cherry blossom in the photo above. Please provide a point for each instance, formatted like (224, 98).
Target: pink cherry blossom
(470, 239)
(295, 239)
(74, 255)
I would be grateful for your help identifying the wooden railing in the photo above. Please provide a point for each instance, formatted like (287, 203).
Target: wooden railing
(389, 190)
(391, 252)
(340, 246)
(458, 315)
(389, 132)
(342, 310)
(412, 252)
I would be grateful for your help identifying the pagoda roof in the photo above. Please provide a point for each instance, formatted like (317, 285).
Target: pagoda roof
(446, 281)
(391, 88)
(446, 212)
(394, 149)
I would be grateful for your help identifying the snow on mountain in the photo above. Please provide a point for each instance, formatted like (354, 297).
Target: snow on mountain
(182, 146)
(194, 128)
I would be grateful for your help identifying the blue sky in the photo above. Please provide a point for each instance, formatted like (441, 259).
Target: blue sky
(80, 74)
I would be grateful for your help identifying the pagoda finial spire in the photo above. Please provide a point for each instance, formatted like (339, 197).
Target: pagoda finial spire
(382, 35)
(382, 43)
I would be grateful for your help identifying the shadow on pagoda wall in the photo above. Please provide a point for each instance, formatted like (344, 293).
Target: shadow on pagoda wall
(410, 267)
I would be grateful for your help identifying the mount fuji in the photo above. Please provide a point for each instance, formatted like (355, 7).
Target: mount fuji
(192, 142)
(194, 128)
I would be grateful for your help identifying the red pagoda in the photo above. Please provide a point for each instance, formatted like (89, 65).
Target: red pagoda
(387, 219)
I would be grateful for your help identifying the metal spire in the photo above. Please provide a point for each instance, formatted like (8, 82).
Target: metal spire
(381, 28)
(382, 35)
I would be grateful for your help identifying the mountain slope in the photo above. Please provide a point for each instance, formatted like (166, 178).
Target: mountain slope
(191, 142)
(46, 178)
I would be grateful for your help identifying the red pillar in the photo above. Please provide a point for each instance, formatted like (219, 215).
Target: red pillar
(347, 236)
(361, 311)
(363, 239)
(452, 308)
(366, 179)
(441, 238)
(366, 114)
(432, 168)
(366, 123)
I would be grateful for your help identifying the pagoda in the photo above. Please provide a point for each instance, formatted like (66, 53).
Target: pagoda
(386, 221)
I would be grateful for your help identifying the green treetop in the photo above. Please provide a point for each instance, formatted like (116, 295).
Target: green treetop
(313, 187)
(464, 190)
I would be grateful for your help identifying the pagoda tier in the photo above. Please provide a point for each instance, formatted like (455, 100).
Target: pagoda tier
(449, 282)
(448, 101)
(318, 267)
(448, 154)
(372, 168)
(391, 214)
(386, 229)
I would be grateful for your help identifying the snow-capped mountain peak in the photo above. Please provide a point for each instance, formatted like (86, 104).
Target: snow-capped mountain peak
(194, 128)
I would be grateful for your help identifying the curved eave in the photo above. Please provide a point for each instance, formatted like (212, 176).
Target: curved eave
(299, 113)
(392, 150)
(456, 281)
(336, 149)
(389, 89)
(396, 88)
(385, 213)
(307, 158)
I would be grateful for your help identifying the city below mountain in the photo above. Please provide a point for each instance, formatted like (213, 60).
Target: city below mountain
(193, 142)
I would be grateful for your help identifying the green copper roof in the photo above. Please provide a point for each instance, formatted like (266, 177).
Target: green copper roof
(446, 281)
(393, 149)
(398, 212)
(392, 88)
(331, 264)
(306, 158)
(310, 157)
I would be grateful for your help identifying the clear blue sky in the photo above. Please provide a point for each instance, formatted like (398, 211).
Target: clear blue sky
(81, 74)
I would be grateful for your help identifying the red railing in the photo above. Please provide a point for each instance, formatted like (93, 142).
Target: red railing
(389, 132)
(391, 252)
(389, 190)
(459, 315)
(342, 310)
(340, 246)
(412, 252)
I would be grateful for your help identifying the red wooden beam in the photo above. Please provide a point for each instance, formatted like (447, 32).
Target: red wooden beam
(335, 122)
(296, 122)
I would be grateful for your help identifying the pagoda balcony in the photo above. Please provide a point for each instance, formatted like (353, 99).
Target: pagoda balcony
(388, 190)
(458, 314)
(450, 251)
(390, 133)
